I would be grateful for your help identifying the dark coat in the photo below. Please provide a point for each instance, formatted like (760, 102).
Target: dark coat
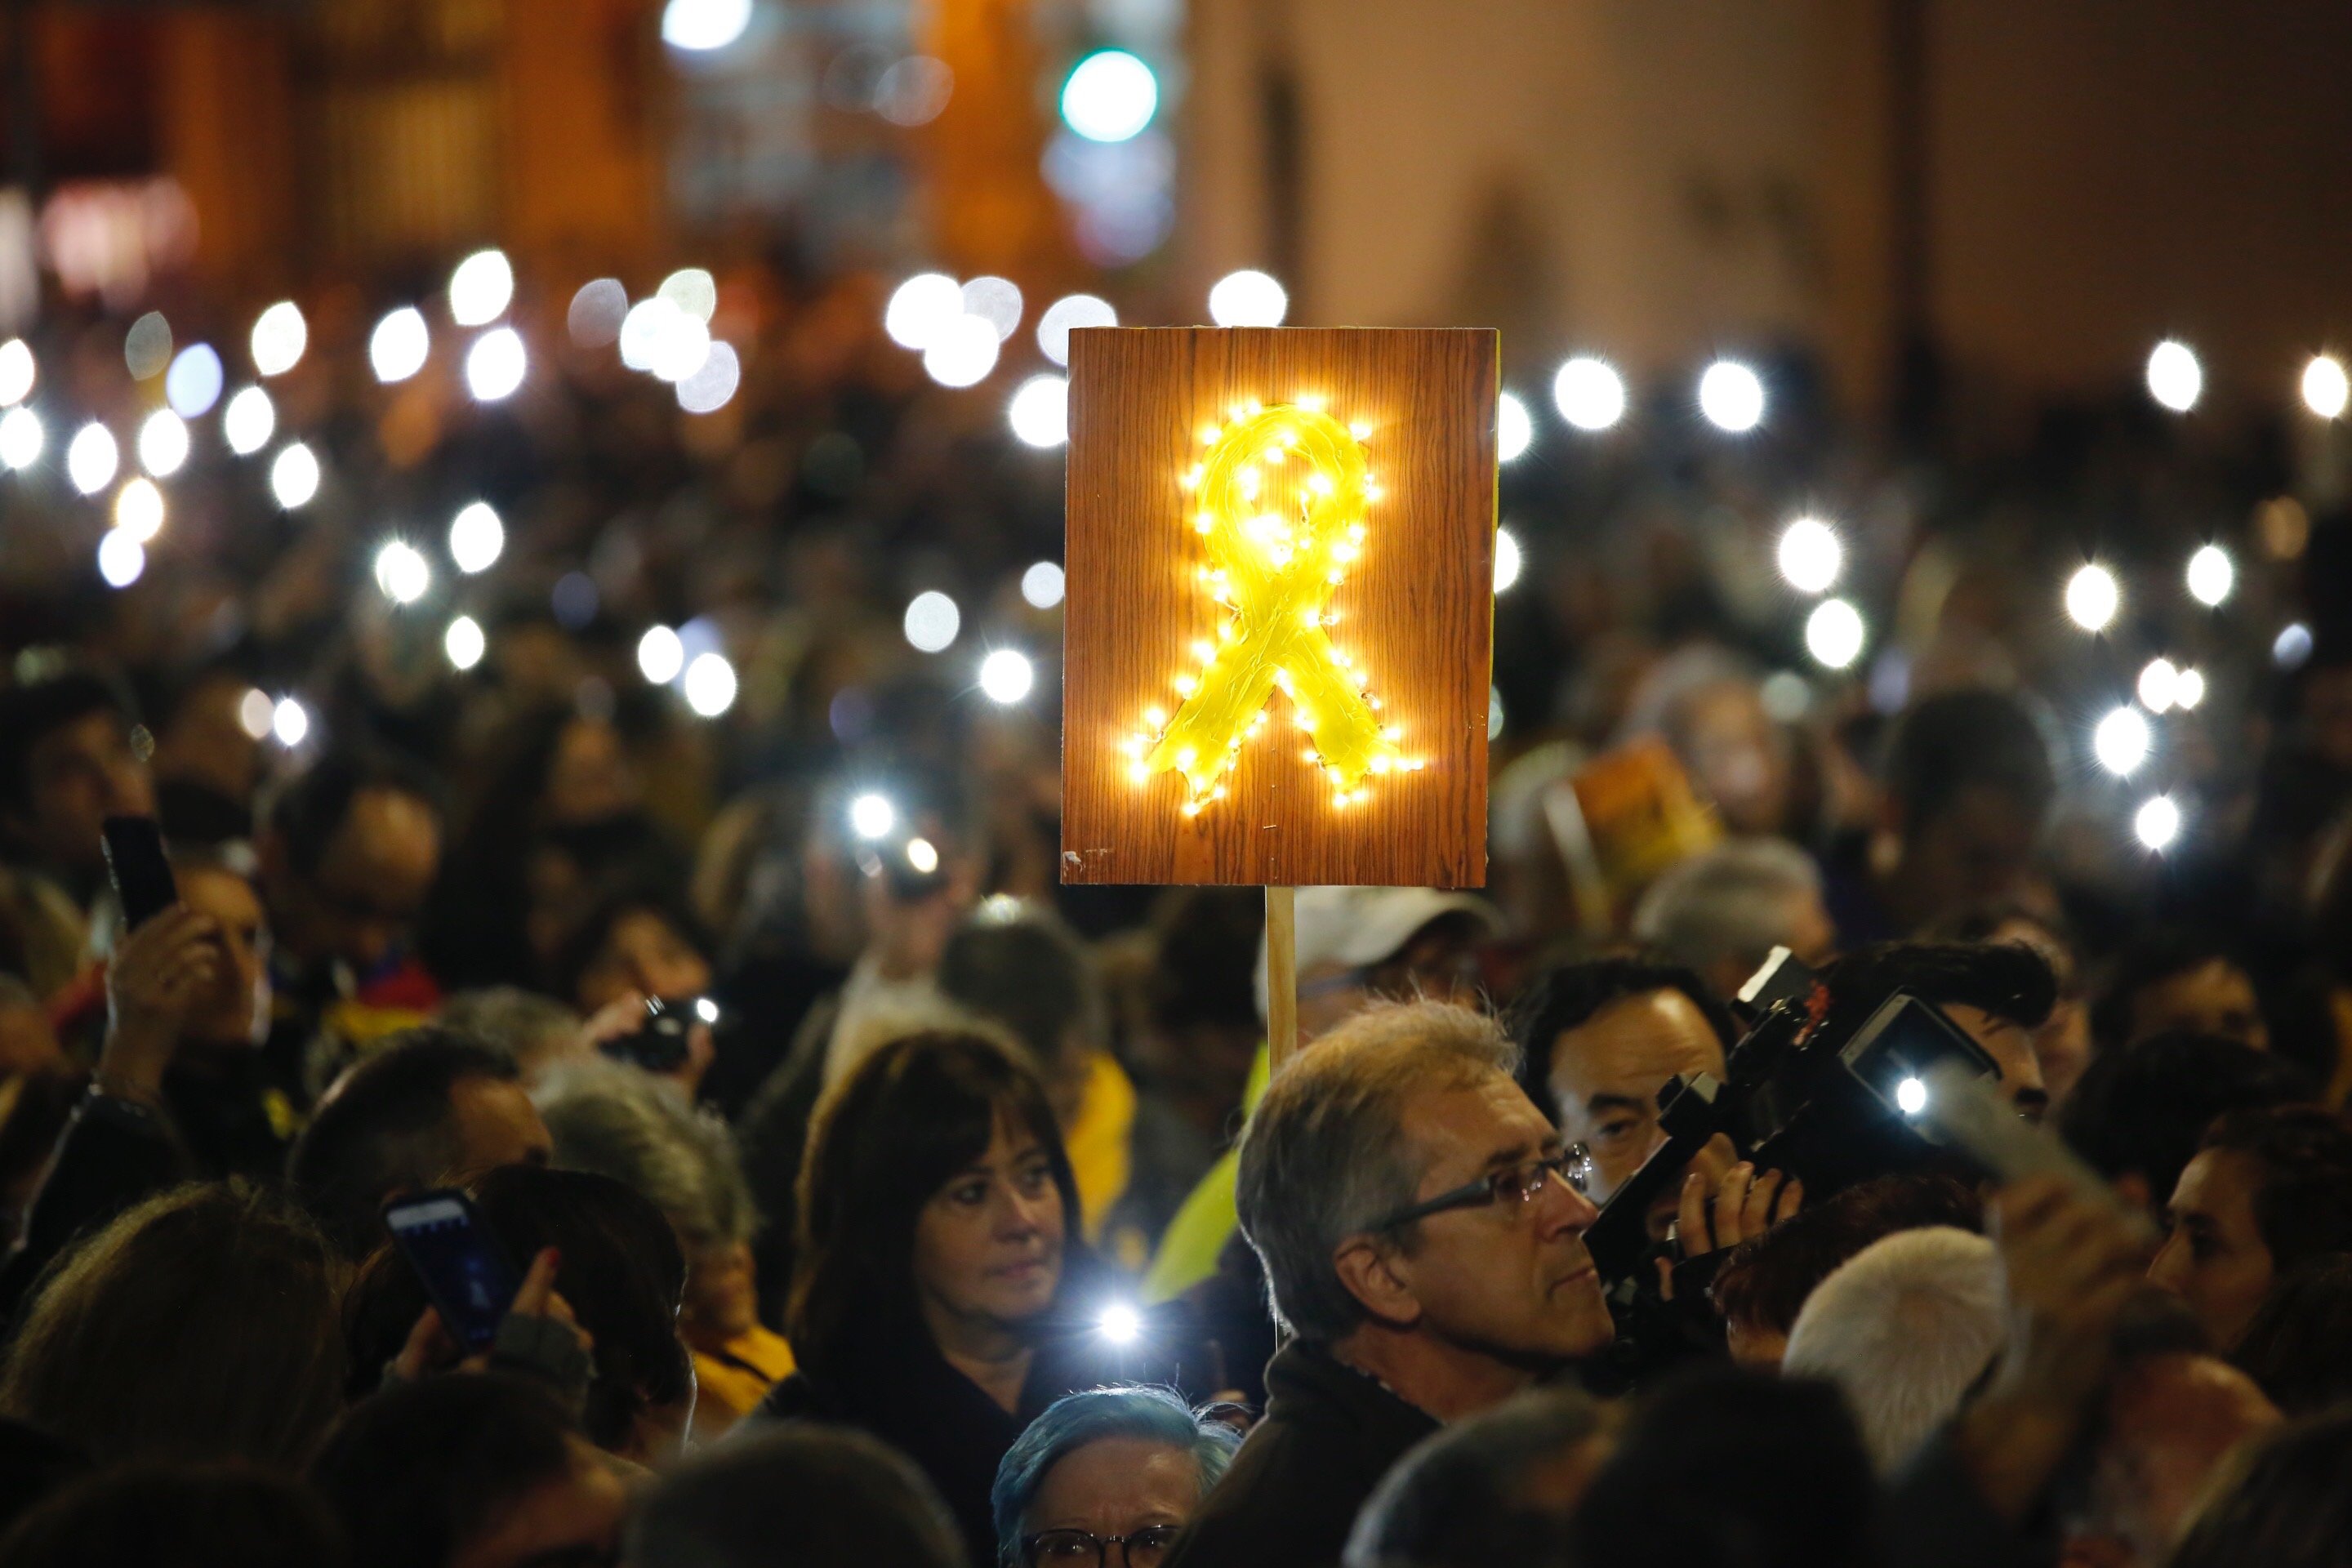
(1330, 1433)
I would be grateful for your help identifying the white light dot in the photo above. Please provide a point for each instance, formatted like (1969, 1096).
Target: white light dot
(1911, 1097)
(2159, 685)
(495, 365)
(139, 510)
(2174, 377)
(1110, 96)
(963, 354)
(475, 538)
(1810, 555)
(289, 721)
(2292, 645)
(594, 319)
(682, 349)
(1507, 560)
(1041, 585)
(1834, 634)
(2121, 741)
(147, 346)
(923, 856)
(997, 301)
(401, 572)
(1120, 1324)
(2189, 690)
(921, 309)
(642, 331)
(121, 559)
(932, 621)
(2325, 389)
(1589, 392)
(1514, 430)
(249, 421)
(193, 384)
(294, 476)
(1006, 676)
(2093, 597)
(661, 654)
(17, 370)
(1064, 315)
(398, 346)
(1494, 712)
(21, 439)
(872, 816)
(91, 458)
(1040, 411)
(1786, 694)
(693, 290)
(279, 336)
(2212, 575)
(2157, 823)
(1247, 299)
(710, 685)
(1731, 395)
(253, 714)
(162, 442)
(699, 26)
(706, 1009)
(463, 642)
(708, 390)
(481, 289)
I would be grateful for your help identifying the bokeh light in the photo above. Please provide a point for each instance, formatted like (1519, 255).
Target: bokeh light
(294, 476)
(289, 721)
(1515, 430)
(2093, 597)
(1507, 560)
(1834, 634)
(921, 309)
(17, 370)
(254, 713)
(932, 621)
(481, 289)
(594, 319)
(463, 642)
(661, 655)
(963, 354)
(1006, 676)
(1731, 396)
(1810, 555)
(2212, 575)
(399, 346)
(2157, 823)
(1040, 411)
(139, 510)
(1589, 392)
(401, 572)
(2292, 646)
(162, 442)
(248, 422)
(2122, 741)
(872, 816)
(1248, 299)
(121, 559)
(496, 364)
(681, 348)
(147, 346)
(699, 27)
(22, 437)
(2159, 685)
(279, 336)
(2175, 379)
(710, 685)
(1066, 314)
(693, 290)
(2325, 388)
(193, 383)
(713, 382)
(91, 458)
(476, 538)
(1109, 96)
(1043, 584)
(2188, 690)
(996, 300)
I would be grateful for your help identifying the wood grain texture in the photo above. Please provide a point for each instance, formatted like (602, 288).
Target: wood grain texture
(1416, 611)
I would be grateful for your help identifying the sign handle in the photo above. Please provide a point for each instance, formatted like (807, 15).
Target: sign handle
(1281, 974)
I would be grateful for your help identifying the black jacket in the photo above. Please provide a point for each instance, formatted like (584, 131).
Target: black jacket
(1330, 1433)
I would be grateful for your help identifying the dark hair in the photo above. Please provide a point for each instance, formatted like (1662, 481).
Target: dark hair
(1206, 941)
(2141, 1109)
(309, 812)
(1766, 1280)
(2150, 956)
(622, 1273)
(1462, 1498)
(198, 1325)
(635, 892)
(1565, 998)
(418, 1470)
(192, 1516)
(2289, 1507)
(1725, 1468)
(841, 1498)
(30, 713)
(387, 1124)
(1026, 969)
(2304, 1206)
(1960, 741)
(906, 1120)
(2299, 1345)
(2007, 980)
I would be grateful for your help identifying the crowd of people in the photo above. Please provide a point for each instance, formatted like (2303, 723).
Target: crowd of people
(864, 1204)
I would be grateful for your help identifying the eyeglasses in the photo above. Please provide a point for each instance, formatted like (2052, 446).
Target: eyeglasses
(1079, 1549)
(1521, 1181)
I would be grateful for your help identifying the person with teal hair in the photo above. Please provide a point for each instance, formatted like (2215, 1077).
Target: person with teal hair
(1106, 1479)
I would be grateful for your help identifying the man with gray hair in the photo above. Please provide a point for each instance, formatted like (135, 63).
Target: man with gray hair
(1422, 1235)
(1722, 911)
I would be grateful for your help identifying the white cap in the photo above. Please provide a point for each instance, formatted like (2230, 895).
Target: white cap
(1354, 927)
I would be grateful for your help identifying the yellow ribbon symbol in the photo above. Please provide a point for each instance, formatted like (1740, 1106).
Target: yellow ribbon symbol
(1282, 494)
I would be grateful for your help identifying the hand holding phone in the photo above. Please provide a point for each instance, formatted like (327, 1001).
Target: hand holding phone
(466, 1271)
(140, 871)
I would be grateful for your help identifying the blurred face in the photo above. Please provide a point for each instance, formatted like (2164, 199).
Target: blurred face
(590, 778)
(645, 954)
(2215, 1258)
(572, 1521)
(2214, 998)
(1737, 755)
(76, 776)
(358, 903)
(723, 1298)
(1978, 851)
(1111, 1487)
(497, 1125)
(2011, 1046)
(233, 1010)
(1607, 1071)
(1510, 1279)
(2062, 1043)
(988, 1245)
(206, 742)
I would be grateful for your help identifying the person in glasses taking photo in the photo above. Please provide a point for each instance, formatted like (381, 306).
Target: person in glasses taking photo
(1422, 1233)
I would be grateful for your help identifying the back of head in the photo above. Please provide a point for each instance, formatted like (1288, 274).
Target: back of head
(307, 813)
(1903, 1328)
(2007, 980)
(633, 1127)
(531, 1029)
(1156, 1415)
(839, 1498)
(417, 1471)
(200, 1324)
(1960, 741)
(387, 1126)
(1723, 1468)
(2156, 953)
(195, 1516)
(2304, 1206)
(2285, 1507)
(1324, 1156)
(2299, 1345)
(1020, 966)
(1498, 1488)
(1730, 904)
(1764, 1284)
(2140, 1110)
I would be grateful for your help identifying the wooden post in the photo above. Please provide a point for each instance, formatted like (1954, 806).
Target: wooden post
(1281, 974)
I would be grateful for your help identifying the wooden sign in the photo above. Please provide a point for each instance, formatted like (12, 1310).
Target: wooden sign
(1279, 630)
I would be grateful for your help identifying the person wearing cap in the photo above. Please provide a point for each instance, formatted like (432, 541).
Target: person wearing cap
(1355, 946)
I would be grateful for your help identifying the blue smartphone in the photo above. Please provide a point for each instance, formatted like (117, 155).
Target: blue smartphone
(467, 1276)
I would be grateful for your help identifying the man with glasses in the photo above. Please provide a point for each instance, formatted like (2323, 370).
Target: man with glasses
(1422, 1233)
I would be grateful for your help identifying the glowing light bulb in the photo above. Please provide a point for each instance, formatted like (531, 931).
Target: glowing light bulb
(279, 336)
(17, 370)
(1248, 299)
(2093, 597)
(162, 442)
(699, 27)
(2325, 389)
(398, 347)
(2212, 575)
(475, 538)
(932, 621)
(1120, 1324)
(2157, 823)
(1065, 316)
(921, 309)
(1006, 676)
(496, 364)
(661, 655)
(1834, 634)
(481, 289)
(2159, 685)
(872, 816)
(1731, 395)
(1911, 1097)
(121, 559)
(139, 510)
(710, 685)
(1811, 556)
(289, 721)
(1589, 392)
(21, 437)
(923, 856)
(464, 643)
(91, 458)
(248, 422)
(1040, 411)
(1041, 585)
(1507, 560)
(401, 572)
(2122, 741)
(1110, 96)
(1515, 431)
(2175, 379)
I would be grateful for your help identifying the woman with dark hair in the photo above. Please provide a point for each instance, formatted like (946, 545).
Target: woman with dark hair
(943, 1298)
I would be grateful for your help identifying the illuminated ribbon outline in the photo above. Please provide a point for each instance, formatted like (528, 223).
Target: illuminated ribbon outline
(1273, 574)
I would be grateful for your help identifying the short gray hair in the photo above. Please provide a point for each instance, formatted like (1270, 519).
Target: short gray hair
(532, 1029)
(1729, 902)
(620, 1122)
(1324, 1156)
